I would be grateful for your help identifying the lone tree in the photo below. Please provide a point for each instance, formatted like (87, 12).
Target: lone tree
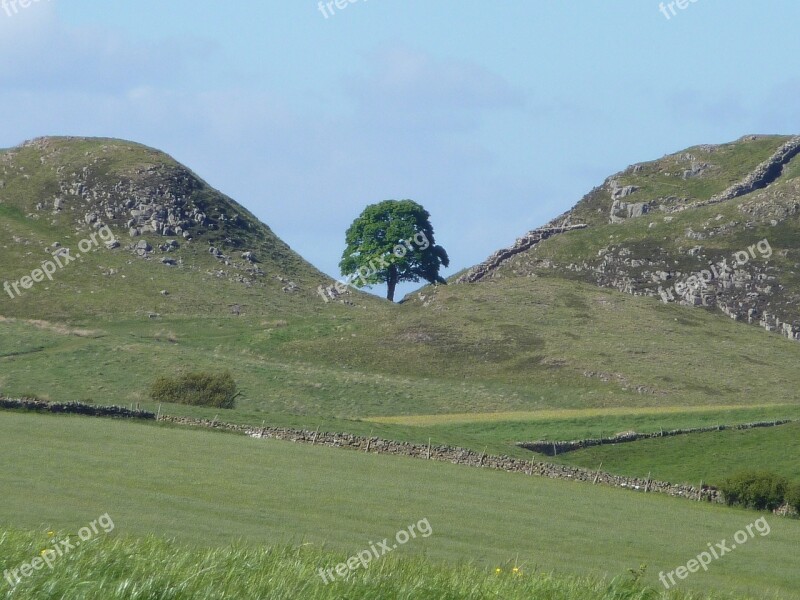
(390, 242)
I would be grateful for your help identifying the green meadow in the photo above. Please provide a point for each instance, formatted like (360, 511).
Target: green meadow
(708, 457)
(208, 490)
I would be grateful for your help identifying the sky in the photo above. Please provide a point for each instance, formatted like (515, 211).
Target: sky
(495, 116)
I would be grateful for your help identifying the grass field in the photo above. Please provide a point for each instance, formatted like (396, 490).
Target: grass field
(208, 490)
(121, 568)
(567, 414)
(287, 382)
(708, 457)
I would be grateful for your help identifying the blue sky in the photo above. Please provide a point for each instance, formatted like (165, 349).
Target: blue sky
(496, 116)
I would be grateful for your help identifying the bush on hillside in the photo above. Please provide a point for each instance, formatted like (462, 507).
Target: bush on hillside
(793, 495)
(197, 389)
(761, 490)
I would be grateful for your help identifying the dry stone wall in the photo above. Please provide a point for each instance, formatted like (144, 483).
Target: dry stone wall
(459, 456)
(554, 448)
(524, 243)
(75, 408)
(454, 455)
(764, 174)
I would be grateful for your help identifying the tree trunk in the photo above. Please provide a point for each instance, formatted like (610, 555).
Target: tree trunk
(391, 283)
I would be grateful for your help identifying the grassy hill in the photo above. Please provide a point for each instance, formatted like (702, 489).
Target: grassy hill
(565, 346)
(657, 224)
(176, 234)
(682, 178)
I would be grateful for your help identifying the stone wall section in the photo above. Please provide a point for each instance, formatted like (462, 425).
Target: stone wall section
(375, 445)
(526, 242)
(553, 448)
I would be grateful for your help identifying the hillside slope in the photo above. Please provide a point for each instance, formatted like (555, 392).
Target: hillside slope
(164, 241)
(711, 226)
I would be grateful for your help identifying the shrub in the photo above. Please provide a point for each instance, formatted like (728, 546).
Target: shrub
(761, 490)
(793, 495)
(197, 389)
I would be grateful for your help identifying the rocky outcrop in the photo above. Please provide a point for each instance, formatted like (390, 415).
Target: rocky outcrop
(620, 211)
(161, 206)
(756, 292)
(526, 242)
(764, 174)
(618, 192)
(751, 293)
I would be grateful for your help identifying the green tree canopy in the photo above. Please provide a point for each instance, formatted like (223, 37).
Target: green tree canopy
(392, 241)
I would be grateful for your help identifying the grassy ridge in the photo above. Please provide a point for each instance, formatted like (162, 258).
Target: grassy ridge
(210, 489)
(730, 164)
(566, 414)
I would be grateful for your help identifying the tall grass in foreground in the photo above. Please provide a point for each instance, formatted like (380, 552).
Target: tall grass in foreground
(116, 567)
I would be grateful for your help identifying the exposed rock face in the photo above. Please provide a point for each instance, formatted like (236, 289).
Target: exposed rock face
(621, 192)
(697, 169)
(620, 210)
(751, 292)
(524, 243)
(627, 210)
(151, 199)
